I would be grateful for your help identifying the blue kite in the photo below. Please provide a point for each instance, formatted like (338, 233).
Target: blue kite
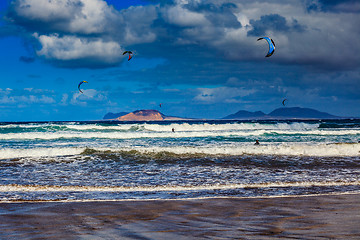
(271, 46)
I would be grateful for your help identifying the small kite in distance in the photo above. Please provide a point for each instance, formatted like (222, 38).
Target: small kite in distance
(80, 84)
(130, 54)
(271, 46)
(283, 102)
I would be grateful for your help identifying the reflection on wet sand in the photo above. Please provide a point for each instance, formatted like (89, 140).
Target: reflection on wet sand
(327, 216)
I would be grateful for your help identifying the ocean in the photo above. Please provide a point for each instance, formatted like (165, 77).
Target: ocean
(113, 161)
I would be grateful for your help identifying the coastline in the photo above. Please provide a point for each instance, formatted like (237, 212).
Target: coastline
(327, 216)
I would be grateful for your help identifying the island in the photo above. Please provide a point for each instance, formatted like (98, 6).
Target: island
(143, 115)
(282, 113)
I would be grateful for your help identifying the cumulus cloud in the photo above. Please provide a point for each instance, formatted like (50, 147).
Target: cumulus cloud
(136, 26)
(334, 5)
(68, 48)
(182, 17)
(71, 33)
(26, 96)
(221, 94)
(302, 36)
(273, 22)
(88, 96)
(74, 16)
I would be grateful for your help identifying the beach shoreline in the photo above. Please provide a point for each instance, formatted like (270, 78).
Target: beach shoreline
(329, 216)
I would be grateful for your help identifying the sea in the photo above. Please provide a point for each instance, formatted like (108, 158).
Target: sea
(117, 161)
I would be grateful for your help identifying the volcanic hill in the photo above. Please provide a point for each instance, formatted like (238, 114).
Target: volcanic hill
(146, 115)
(283, 113)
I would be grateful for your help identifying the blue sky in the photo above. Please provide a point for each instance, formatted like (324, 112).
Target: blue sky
(198, 58)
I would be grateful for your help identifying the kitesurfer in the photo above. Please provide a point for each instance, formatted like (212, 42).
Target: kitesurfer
(173, 130)
(257, 142)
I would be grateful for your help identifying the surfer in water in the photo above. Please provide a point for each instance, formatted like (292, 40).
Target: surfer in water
(173, 130)
(257, 142)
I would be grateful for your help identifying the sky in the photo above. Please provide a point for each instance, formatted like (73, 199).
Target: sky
(198, 58)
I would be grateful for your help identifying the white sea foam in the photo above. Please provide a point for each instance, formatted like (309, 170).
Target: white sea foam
(235, 149)
(178, 126)
(70, 126)
(169, 134)
(187, 127)
(40, 188)
(121, 135)
(288, 149)
(9, 153)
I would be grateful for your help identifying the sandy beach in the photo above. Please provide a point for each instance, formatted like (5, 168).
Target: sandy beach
(310, 217)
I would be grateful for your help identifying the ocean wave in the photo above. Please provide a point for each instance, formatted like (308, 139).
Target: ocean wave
(166, 126)
(41, 188)
(286, 149)
(10, 153)
(168, 134)
(186, 127)
(283, 149)
(64, 127)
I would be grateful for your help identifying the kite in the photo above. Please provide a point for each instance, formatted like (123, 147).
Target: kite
(80, 84)
(271, 46)
(130, 54)
(283, 102)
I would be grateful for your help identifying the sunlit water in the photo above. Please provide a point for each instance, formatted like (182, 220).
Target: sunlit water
(117, 161)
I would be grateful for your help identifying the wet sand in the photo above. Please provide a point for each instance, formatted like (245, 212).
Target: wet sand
(311, 217)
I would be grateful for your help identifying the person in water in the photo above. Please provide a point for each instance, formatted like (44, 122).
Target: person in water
(173, 130)
(257, 142)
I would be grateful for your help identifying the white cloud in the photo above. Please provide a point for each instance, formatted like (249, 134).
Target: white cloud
(64, 99)
(222, 94)
(7, 100)
(136, 25)
(182, 17)
(74, 16)
(73, 48)
(26, 99)
(324, 39)
(88, 95)
(68, 27)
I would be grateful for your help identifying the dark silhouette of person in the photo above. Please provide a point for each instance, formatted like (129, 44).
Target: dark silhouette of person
(173, 130)
(257, 142)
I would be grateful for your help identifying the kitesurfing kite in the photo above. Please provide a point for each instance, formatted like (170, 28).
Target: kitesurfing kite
(80, 84)
(283, 102)
(130, 54)
(271, 46)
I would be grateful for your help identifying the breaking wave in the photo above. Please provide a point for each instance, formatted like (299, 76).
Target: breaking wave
(286, 149)
(40, 188)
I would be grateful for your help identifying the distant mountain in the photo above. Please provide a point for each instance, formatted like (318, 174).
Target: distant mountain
(298, 112)
(280, 113)
(242, 114)
(283, 113)
(111, 115)
(144, 115)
